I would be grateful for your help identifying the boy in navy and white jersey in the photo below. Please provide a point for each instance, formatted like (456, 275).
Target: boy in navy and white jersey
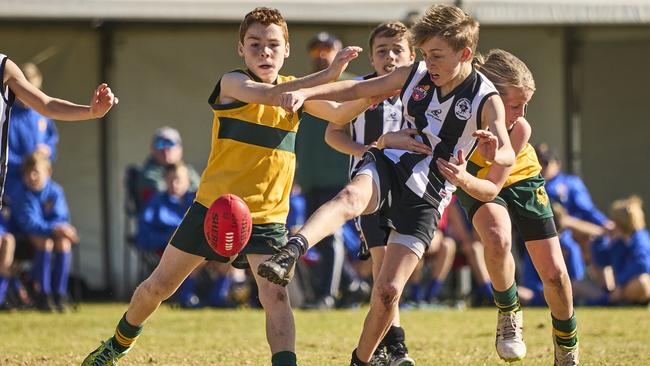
(448, 102)
(390, 48)
(15, 85)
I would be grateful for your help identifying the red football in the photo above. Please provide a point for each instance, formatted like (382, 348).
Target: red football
(227, 225)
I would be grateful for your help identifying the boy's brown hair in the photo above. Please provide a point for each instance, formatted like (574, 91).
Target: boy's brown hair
(35, 160)
(389, 30)
(175, 168)
(264, 16)
(448, 22)
(628, 215)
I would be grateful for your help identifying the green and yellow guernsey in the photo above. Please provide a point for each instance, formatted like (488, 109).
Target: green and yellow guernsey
(526, 166)
(252, 156)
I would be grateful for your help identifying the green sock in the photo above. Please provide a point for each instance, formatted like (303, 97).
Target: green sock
(566, 331)
(284, 358)
(507, 301)
(125, 335)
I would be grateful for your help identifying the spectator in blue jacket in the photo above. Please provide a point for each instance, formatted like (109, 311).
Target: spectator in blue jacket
(165, 211)
(628, 253)
(29, 132)
(41, 214)
(568, 190)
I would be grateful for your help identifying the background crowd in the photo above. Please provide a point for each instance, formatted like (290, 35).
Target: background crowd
(607, 254)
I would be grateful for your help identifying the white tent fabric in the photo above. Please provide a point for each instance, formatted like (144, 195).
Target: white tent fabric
(333, 11)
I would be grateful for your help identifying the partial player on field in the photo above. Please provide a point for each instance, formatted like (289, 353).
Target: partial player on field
(447, 101)
(252, 157)
(493, 196)
(15, 85)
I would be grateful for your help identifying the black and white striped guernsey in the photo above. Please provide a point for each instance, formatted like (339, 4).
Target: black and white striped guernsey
(5, 110)
(375, 121)
(446, 125)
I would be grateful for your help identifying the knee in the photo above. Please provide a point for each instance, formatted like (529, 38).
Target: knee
(155, 288)
(497, 242)
(449, 246)
(387, 296)
(352, 200)
(273, 296)
(555, 277)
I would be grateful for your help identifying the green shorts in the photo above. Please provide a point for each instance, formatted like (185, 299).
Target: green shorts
(527, 203)
(189, 237)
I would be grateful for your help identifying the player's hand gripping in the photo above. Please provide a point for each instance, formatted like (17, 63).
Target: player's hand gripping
(292, 101)
(341, 60)
(454, 170)
(102, 101)
(487, 144)
(403, 140)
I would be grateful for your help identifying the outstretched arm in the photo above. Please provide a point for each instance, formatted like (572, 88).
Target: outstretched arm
(347, 90)
(101, 102)
(237, 86)
(493, 117)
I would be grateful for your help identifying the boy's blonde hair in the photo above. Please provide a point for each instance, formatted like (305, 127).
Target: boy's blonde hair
(628, 215)
(389, 30)
(448, 22)
(176, 168)
(264, 16)
(35, 160)
(504, 70)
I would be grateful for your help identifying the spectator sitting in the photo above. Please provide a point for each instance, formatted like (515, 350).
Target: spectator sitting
(166, 149)
(628, 253)
(164, 211)
(569, 190)
(41, 215)
(29, 132)
(7, 247)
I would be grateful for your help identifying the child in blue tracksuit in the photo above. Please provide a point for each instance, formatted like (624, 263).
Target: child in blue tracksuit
(628, 253)
(7, 247)
(165, 211)
(41, 215)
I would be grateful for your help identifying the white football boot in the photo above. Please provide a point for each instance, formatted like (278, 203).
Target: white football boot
(565, 356)
(510, 336)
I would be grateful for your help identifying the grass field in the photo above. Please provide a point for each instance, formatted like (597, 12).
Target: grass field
(217, 337)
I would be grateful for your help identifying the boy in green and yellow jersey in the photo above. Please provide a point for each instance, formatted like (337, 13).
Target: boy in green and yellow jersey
(518, 196)
(252, 157)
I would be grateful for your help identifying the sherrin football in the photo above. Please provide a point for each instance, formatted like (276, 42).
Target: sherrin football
(227, 225)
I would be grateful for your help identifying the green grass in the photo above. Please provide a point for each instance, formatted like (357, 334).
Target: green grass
(211, 337)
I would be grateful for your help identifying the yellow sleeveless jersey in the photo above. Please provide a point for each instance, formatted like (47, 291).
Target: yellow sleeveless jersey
(526, 166)
(252, 156)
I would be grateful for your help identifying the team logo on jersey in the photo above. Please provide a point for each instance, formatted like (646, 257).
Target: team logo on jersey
(542, 197)
(435, 113)
(420, 92)
(463, 109)
(48, 206)
(393, 117)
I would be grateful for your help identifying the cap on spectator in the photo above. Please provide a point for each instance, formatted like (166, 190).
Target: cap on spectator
(166, 137)
(323, 39)
(545, 153)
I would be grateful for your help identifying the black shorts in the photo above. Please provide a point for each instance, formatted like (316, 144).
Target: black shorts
(189, 237)
(400, 209)
(371, 230)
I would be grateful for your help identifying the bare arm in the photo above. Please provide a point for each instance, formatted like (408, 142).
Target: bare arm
(237, 86)
(493, 117)
(339, 139)
(101, 102)
(337, 113)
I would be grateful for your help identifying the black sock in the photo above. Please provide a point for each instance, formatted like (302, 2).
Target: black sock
(356, 361)
(297, 245)
(394, 335)
(284, 358)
